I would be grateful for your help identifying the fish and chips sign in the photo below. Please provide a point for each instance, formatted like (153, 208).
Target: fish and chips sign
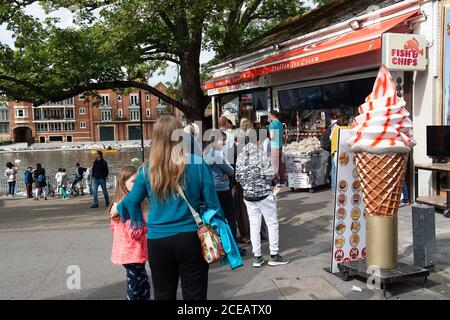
(405, 52)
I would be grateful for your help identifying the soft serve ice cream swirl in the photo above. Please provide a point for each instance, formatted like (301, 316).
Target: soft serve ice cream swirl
(383, 125)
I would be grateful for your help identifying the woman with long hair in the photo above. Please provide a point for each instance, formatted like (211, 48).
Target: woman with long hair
(174, 249)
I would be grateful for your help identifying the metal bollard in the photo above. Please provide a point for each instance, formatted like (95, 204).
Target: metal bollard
(424, 235)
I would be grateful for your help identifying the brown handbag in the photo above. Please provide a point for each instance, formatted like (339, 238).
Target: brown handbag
(211, 244)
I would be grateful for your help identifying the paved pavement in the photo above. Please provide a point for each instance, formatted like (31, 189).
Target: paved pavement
(42, 239)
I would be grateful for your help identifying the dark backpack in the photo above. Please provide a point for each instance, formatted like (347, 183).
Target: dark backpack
(326, 141)
(41, 178)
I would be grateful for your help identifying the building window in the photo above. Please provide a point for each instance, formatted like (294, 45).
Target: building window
(82, 125)
(120, 113)
(119, 98)
(21, 113)
(82, 111)
(69, 114)
(105, 99)
(147, 97)
(68, 101)
(105, 115)
(4, 116)
(134, 100)
(148, 113)
(134, 115)
(68, 126)
(82, 96)
(4, 127)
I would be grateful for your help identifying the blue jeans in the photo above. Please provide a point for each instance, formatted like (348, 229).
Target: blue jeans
(405, 192)
(102, 184)
(333, 174)
(12, 187)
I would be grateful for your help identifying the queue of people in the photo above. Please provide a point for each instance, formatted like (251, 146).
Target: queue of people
(183, 188)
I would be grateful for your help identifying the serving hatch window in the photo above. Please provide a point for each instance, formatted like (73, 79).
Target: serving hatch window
(317, 105)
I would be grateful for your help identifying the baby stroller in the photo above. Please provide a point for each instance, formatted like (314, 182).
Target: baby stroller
(50, 190)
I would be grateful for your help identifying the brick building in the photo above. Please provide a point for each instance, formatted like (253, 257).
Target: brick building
(81, 118)
(4, 122)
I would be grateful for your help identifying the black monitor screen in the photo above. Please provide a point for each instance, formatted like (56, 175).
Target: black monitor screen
(438, 141)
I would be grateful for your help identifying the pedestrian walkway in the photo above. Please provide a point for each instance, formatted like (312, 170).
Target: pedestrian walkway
(41, 239)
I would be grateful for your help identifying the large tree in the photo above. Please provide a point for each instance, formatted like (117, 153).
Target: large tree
(114, 40)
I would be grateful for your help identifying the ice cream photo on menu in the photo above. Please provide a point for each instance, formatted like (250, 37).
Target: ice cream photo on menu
(382, 137)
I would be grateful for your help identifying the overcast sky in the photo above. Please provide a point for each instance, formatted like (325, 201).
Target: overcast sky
(66, 21)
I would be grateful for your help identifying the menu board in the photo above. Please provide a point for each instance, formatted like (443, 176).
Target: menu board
(349, 224)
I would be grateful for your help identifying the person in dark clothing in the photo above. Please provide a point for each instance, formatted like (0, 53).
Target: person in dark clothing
(28, 181)
(41, 181)
(79, 172)
(100, 172)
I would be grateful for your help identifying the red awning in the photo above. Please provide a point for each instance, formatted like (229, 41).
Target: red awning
(341, 46)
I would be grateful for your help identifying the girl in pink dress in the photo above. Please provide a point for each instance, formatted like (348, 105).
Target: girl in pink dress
(130, 246)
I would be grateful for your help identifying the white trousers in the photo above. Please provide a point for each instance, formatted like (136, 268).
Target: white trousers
(268, 209)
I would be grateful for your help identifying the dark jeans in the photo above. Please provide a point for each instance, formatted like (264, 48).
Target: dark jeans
(226, 202)
(12, 187)
(178, 257)
(102, 183)
(138, 284)
(29, 190)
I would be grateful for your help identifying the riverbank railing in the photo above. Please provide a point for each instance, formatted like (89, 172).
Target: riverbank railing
(20, 190)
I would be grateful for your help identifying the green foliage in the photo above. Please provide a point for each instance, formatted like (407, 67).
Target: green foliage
(113, 40)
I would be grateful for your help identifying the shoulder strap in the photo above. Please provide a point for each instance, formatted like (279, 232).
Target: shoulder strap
(197, 218)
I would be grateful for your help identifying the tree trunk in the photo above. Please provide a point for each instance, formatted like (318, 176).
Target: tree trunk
(192, 95)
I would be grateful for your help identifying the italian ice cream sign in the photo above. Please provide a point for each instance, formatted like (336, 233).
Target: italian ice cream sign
(405, 52)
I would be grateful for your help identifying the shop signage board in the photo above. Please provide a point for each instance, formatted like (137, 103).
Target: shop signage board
(235, 87)
(404, 52)
(349, 224)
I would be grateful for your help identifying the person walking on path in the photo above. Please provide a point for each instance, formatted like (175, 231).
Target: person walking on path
(28, 181)
(10, 175)
(40, 181)
(174, 248)
(78, 178)
(64, 184)
(58, 178)
(130, 246)
(100, 173)
(255, 173)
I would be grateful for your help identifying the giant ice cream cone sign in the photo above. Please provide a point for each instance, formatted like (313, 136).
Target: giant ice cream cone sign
(382, 139)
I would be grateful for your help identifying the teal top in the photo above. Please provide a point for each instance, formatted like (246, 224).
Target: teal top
(276, 127)
(172, 216)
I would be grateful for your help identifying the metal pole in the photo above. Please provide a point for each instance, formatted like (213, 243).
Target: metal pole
(142, 126)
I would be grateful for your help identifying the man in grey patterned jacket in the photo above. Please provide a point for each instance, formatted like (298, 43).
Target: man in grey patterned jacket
(255, 174)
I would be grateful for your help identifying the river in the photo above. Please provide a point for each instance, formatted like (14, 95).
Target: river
(52, 160)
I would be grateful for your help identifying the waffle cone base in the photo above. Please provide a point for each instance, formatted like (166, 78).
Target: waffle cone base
(381, 177)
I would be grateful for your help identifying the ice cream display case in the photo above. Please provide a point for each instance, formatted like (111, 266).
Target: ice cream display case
(306, 164)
